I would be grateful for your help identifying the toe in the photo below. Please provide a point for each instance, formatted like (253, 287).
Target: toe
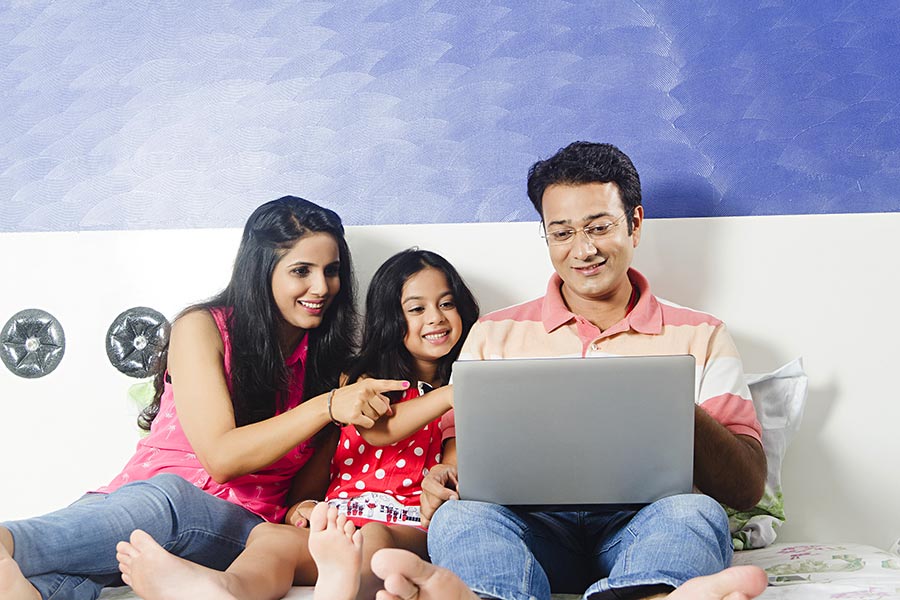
(318, 518)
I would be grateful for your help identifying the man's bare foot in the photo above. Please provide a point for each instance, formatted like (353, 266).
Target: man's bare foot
(407, 576)
(154, 574)
(336, 546)
(736, 583)
(13, 585)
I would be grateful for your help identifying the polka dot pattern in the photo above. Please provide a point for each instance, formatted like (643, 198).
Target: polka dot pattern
(359, 468)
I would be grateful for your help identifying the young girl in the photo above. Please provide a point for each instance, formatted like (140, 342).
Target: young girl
(418, 312)
(248, 380)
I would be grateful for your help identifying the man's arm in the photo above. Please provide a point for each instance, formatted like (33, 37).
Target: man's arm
(729, 461)
(728, 467)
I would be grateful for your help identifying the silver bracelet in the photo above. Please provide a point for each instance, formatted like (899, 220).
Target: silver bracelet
(330, 415)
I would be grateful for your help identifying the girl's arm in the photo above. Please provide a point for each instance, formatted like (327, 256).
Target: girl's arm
(409, 417)
(196, 366)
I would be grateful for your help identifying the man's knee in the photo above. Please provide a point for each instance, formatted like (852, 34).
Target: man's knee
(453, 514)
(456, 517)
(691, 507)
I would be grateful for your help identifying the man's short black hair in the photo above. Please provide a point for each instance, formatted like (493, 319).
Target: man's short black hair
(586, 162)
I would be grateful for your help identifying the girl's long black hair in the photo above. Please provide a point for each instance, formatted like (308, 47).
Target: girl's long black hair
(382, 352)
(258, 373)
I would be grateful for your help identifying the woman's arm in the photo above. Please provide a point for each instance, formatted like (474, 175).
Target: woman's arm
(196, 366)
(311, 482)
(409, 417)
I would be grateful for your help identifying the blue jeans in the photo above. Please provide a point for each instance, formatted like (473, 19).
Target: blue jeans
(518, 555)
(71, 553)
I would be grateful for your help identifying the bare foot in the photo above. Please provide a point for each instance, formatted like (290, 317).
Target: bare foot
(736, 583)
(407, 576)
(154, 574)
(13, 585)
(336, 546)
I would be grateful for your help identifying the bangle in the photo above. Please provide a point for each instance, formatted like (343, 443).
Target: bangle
(330, 415)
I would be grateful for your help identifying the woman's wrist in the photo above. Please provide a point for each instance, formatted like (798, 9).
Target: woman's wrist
(330, 411)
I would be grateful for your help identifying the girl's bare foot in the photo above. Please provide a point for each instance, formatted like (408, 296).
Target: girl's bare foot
(154, 574)
(13, 585)
(407, 576)
(336, 546)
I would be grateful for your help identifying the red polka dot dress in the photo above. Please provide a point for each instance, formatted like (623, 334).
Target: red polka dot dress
(384, 485)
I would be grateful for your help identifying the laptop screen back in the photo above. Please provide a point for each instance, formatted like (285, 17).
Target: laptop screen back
(574, 432)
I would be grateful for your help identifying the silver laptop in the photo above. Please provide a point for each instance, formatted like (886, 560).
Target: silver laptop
(574, 432)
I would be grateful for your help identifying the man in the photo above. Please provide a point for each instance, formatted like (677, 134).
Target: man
(589, 199)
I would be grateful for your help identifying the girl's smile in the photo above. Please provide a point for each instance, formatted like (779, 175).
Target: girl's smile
(433, 325)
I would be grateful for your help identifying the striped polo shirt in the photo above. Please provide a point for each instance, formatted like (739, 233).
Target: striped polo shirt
(545, 327)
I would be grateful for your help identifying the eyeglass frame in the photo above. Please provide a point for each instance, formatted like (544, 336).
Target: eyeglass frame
(605, 230)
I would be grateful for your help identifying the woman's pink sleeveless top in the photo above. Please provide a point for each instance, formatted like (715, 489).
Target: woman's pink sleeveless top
(167, 450)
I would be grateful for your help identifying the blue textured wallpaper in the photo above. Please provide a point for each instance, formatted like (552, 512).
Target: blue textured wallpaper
(132, 115)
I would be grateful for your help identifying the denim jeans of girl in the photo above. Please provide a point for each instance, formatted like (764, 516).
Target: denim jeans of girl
(517, 555)
(71, 553)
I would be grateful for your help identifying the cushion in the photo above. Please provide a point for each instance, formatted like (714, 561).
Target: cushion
(779, 398)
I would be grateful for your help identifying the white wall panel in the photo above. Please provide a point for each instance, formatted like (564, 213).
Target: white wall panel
(822, 287)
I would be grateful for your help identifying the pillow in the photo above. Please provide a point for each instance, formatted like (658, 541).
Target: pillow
(779, 398)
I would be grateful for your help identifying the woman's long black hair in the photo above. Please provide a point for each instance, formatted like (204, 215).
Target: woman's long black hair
(258, 373)
(382, 352)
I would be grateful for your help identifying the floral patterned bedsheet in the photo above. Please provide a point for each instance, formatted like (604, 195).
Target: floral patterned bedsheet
(827, 571)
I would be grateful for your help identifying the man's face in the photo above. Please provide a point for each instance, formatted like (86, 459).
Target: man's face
(593, 268)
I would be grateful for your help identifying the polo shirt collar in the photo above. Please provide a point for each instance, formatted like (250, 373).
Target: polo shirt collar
(645, 317)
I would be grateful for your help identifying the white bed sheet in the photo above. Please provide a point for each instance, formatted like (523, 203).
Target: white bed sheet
(796, 572)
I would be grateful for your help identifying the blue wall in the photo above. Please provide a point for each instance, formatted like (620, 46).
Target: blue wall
(132, 115)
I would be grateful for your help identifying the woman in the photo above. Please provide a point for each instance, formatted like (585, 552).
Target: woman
(248, 380)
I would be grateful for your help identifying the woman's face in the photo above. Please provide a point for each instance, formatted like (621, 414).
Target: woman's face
(306, 280)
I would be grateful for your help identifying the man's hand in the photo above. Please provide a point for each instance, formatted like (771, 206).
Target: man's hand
(438, 486)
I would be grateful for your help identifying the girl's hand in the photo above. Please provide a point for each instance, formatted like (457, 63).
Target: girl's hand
(298, 514)
(364, 402)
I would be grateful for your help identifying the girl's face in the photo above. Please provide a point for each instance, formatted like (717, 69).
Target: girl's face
(432, 322)
(305, 281)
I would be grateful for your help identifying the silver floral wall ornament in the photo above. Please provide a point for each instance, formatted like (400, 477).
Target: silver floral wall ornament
(135, 341)
(32, 343)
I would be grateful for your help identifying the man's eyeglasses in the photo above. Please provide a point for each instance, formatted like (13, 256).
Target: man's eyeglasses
(593, 232)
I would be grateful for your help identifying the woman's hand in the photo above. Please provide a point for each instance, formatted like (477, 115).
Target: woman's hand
(298, 514)
(364, 402)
